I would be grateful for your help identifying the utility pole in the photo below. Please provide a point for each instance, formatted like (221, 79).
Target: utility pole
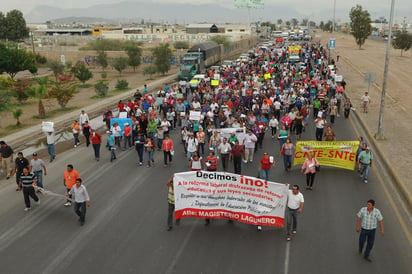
(379, 134)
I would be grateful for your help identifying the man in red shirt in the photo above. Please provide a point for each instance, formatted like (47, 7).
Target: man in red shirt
(237, 152)
(96, 140)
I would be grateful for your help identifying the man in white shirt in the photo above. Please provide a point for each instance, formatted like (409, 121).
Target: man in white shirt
(50, 137)
(249, 142)
(366, 100)
(81, 198)
(83, 118)
(224, 150)
(295, 206)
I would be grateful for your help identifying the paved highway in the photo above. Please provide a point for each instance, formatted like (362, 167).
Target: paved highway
(125, 230)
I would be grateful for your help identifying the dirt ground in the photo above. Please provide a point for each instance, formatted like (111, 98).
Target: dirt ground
(353, 64)
(81, 99)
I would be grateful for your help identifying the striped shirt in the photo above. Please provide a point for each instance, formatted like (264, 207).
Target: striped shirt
(27, 180)
(369, 220)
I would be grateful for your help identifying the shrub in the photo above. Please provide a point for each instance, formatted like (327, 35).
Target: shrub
(41, 59)
(122, 84)
(20, 89)
(104, 75)
(101, 89)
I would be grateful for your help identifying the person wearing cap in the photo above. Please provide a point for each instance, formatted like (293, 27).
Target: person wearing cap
(19, 164)
(6, 157)
(83, 118)
(37, 167)
(365, 160)
(127, 134)
(96, 140)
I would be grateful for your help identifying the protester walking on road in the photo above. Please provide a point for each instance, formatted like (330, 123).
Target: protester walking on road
(87, 130)
(295, 206)
(96, 140)
(167, 147)
(224, 150)
(81, 200)
(150, 148)
(27, 182)
(287, 153)
(249, 142)
(50, 139)
(127, 135)
(347, 106)
(365, 160)
(211, 162)
(265, 165)
(6, 156)
(237, 153)
(196, 162)
(37, 167)
(19, 164)
(69, 180)
(320, 123)
(309, 168)
(368, 218)
(112, 146)
(171, 204)
(283, 135)
(76, 131)
(329, 134)
(140, 142)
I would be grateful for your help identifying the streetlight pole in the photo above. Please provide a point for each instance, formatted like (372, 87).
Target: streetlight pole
(379, 134)
(334, 14)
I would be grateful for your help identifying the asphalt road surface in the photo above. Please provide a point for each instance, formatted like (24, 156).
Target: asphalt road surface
(125, 229)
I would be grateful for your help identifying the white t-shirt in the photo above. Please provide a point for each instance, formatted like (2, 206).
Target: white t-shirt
(248, 141)
(294, 201)
(277, 105)
(224, 148)
(192, 144)
(366, 98)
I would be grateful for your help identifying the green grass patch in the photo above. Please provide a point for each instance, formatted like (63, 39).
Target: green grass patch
(118, 90)
(14, 127)
(85, 86)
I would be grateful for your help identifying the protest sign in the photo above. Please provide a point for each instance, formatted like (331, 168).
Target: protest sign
(121, 122)
(341, 154)
(194, 115)
(223, 195)
(47, 126)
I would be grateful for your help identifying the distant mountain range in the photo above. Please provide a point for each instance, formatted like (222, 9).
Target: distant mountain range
(127, 12)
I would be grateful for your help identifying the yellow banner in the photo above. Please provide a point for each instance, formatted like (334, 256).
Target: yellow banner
(341, 154)
(214, 83)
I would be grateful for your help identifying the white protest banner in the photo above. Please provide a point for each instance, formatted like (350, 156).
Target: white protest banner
(194, 115)
(239, 133)
(47, 126)
(223, 195)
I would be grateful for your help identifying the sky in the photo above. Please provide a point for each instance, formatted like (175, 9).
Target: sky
(376, 8)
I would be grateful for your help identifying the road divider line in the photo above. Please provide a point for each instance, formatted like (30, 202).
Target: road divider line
(287, 256)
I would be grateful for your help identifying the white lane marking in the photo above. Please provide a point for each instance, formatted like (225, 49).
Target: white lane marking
(287, 253)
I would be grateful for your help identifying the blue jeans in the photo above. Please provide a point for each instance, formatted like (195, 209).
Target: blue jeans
(281, 142)
(76, 139)
(369, 236)
(39, 175)
(80, 210)
(287, 161)
(150, 157)
(265, 174)
(112, 153)
(190, 155)
(127, 141)
(96, 148)
(50, 150)
(364, 171)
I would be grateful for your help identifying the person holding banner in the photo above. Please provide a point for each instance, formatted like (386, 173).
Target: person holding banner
(265, 165)
(295, 206)
(309, 168)
(171, 203)
(211, 162)
(196, 162)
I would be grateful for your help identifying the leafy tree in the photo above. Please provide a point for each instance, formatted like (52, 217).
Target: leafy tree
(3, 26)
(17, 114)
(122, 84)
(149, 70)
(304, 22)
(14, 60)
(135, 56)
(16, 28)
(20, 90)
(5, 101)
(328, 26)
(360, 24)
(221, 40)
(40, 92)
(403, 41)
(101, 89)
(181, 45)
(56, 67)
(102, 59)
(120, 64)
(63, 89)
(82, 73)
(321, 25)
(294, 22)
(279, 21)
(162, 54)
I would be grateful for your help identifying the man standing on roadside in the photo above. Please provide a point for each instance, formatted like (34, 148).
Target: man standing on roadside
(69, 180)
(81, 198)
(295, 207)
(19, 164)
(365, 160)
(366, 100)
(6, 156)
(368, 218)
(37, 166)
